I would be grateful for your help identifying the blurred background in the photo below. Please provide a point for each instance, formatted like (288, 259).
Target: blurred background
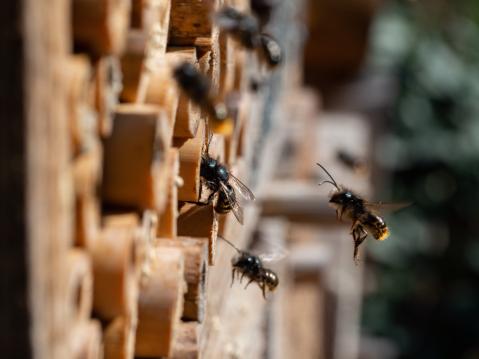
(411, 68)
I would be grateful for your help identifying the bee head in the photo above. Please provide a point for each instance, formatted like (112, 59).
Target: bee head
(271, 279)
(342, 198)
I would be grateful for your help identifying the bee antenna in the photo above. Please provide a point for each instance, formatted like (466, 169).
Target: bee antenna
(230, 243)
(333, 182)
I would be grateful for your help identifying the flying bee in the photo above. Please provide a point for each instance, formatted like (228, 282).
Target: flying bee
(246, 30)
(218, 179)
(359, 211)
(263, 9)
(354, 163)
(198, 88)
(243, 27)
(251, 266)
(270, 50)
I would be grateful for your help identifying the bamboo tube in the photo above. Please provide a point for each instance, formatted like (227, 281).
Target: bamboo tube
(114, 263)
(119, 338)
(167, 226)
(188, 115)
(100, 27)
(131, 157)
(187, 343)
(190, 163)
(85, 340)
(78, 287)
(87, 221)
(195, 251)
(160, 304)
(199, 221)
(190, 20)
(108, 85)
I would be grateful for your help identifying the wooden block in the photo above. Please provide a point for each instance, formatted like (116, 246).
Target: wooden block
(167, 226)
(85, 340)
(119, 338)
(188, 115)
(108, 85)
(132, 63)
(190, 20)
(114, 263)
(187, 343)
(132, 156)
(190, 164)
(87, 221)
(100, 27)
(199, 221)
(160, 305)
(228, 54)
(78, 287)
(148, 14)
(82, 119)
(87, 167)
(195, 251)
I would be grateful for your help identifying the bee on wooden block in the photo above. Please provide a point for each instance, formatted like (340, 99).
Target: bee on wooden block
(218, 179)
(198, 88)
(246, 30)
(360, 212)
(251, 266)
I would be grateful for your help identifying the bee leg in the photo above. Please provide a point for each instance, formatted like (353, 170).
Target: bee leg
(233, 272)
(250, 281)
(242, 276)
(358, 239)
(263, 289)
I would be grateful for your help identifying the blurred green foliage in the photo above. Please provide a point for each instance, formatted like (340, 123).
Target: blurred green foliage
(426, 296)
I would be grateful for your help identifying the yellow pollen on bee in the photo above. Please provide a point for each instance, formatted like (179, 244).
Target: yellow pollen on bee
(383, 235)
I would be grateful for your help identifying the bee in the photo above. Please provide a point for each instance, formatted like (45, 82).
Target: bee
(359, 211)
(263, 9)
(246, 29)
(198, 88)
(270, 50)
(251, 266)
(218, 179)
(352, 162)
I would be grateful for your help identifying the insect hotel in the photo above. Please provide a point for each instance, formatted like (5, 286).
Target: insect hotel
(114, 221)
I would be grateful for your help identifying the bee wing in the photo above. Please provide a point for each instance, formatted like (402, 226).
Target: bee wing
(227, 19)
(235, 207)
(387, 206)
(273, 257)
(241, 188)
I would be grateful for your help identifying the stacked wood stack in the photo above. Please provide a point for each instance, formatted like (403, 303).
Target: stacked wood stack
(141, 272)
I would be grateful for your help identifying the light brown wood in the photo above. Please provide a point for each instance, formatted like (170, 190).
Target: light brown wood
(78, 287)
(188, 115)
(81, 117)
(150, 14)
(100, 27)
(86, 221)
(86, 169)
(187, 343)
(107, 88)
(190, 164)
(133, 154)
(167, 226)
(160, 305)
(119, 338)
(199, 221)
(195, 251)
(190, 20)
(85, 340)
(132, 64)
(114, 263)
